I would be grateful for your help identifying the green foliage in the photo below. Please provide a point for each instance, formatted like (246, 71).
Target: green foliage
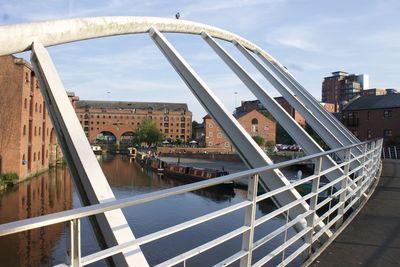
(9, 177)
(194, 125)
(282, 137)
(148, 133)
(259, 140)
(270, 146)
(316, 137)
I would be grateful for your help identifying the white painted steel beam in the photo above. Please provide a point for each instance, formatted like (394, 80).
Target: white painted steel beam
(327, 119)
(330, 139)
(246, 147)
(288, 123)
(82, 163)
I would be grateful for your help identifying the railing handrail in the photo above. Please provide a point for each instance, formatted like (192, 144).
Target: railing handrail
(78, 213)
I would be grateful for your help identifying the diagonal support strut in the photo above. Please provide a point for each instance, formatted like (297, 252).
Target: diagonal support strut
(249, 151)
(88, 176)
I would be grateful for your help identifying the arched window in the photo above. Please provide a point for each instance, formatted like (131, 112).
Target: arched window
(36, 107)
(25, 103)
(254, 125)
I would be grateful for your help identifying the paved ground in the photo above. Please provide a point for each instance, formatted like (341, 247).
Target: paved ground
(373, 237)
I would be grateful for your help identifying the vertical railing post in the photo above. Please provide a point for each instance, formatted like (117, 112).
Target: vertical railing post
(395, 152)
(73, 257)
(342, 198)
(363, 173)
(313, 204)
(248, 236)
(371, 164)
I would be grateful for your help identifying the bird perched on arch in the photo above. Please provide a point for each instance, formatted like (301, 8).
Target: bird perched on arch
(177, 15)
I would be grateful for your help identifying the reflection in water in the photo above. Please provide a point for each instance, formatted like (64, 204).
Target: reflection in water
(54, 192)
(50, 192)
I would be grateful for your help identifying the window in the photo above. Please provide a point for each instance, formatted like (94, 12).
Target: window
(36, 107)
(210, 134)
(38, 157)
(254, 125)
(98, 116)
(26, 77)
(40, 108)
(226, 144)
(34, 131)
(39, 130)
(34, 156)
(210, 143)
(219, 135)
(166, 124)
(166, 131)
(24, 130)
(387, 113)
(369, 134)
(182, 125)
(387, 133)
(182, 118)
(25, 103)
(210, 125)
(166, 118)
(368, 115)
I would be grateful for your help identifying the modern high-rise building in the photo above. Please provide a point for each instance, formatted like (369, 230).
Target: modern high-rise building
(341, 87)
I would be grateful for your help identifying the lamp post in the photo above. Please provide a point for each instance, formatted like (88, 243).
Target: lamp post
(236, 99)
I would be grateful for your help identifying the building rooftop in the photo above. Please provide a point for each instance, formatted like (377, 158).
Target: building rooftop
(130, 105)
(374, 102)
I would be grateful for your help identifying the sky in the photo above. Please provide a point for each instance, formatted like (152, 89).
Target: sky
(311, 38)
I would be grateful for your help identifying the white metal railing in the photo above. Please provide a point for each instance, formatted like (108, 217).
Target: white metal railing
(391, 152)
(327, 204)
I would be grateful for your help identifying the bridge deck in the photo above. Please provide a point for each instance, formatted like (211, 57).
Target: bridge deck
(373, 237)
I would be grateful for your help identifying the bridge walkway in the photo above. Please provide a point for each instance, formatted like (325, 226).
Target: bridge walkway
(373, 237)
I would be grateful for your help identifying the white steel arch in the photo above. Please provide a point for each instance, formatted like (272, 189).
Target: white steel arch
(37, 36)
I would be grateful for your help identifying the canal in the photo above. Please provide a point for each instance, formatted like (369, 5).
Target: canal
(54, 191)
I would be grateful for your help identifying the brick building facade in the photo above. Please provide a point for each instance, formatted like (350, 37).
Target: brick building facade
(121, 119)
(27, 140)
(247, 106)
(342, 87)
(371, 117)
(255, 123)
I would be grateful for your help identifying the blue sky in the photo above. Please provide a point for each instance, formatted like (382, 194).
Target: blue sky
(311, 38)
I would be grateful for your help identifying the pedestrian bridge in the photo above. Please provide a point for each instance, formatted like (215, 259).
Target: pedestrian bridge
(344, 177)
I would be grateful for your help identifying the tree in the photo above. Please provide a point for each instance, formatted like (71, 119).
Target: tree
(194, 125)
(148, 133)
(259, 140)
(282, 137)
